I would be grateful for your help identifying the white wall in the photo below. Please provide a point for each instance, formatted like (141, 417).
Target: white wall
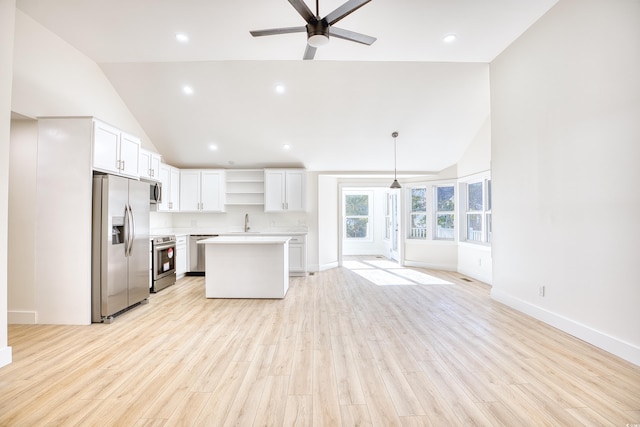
(51, 78)
(328, 217)
(7, 13)
(565, 155)
(22, 221)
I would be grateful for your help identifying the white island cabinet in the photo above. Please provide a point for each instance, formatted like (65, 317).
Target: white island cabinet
(246, 266)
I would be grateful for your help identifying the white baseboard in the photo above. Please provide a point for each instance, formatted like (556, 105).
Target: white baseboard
(618, 347)
(5, 356)
(475, 275)
(328, 266)
(420, 264)
(21, 317)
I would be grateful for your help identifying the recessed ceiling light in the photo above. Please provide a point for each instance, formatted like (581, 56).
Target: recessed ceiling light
(213, 147)
(188, 90)
(279, 88)
(182, 37)
(286, 147)
(449, 38)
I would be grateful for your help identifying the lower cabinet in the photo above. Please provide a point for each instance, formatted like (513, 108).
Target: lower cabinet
(181, 255)
(298, 256)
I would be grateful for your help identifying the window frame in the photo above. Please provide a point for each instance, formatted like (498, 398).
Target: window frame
(437, 212)
(412, 213)
(369, 232)
(484, 213)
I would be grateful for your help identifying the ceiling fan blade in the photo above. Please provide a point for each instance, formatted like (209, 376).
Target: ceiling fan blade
(344, 10)
(304, 11)
(274, 31)
(352, 36)
(309, 52)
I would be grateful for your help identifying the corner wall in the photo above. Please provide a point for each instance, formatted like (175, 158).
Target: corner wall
(7, 22)
(565, 153)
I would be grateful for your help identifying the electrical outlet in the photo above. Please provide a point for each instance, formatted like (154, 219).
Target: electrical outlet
(541, 291)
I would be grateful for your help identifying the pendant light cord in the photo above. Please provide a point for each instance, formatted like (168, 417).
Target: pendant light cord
(395, 160)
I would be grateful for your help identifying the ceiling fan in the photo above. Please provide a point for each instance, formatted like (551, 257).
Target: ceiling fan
(320, 29)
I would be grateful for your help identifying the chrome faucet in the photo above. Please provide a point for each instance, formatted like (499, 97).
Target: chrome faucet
(246, 222)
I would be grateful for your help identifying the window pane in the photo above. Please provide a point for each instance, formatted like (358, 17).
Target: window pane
(444, 227)
(418, 226)
(474, 196)
(357, 228)
(418, 199)
(474, 227)
(357, 204)
(489, 195)
(445, 199)
(489, 230)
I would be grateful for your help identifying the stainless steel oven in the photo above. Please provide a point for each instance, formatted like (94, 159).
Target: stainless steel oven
(163, 264)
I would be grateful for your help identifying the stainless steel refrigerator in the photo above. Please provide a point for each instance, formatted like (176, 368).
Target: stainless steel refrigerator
(120, 246)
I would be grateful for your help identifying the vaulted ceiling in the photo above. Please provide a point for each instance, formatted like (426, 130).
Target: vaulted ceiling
(336, 113)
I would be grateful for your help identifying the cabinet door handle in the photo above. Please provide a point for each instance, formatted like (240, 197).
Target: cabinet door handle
(122, 168)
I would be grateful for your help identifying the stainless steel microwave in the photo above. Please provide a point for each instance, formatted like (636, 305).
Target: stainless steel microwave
(155, 192)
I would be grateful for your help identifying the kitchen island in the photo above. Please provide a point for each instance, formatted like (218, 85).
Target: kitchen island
(246, 266)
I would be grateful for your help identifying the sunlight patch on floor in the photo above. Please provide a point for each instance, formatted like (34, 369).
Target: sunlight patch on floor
(389, 273)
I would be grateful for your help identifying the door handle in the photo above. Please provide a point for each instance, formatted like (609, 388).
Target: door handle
(133, 230)
(127, 230)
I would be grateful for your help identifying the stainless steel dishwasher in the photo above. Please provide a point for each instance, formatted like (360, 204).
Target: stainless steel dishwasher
(195, 265)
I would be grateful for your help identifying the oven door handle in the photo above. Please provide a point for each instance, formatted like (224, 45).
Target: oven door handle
(163, 247)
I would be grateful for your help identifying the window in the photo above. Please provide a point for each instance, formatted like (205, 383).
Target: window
(445, 206)
(418, 215)
(356, 215)
(478, 221)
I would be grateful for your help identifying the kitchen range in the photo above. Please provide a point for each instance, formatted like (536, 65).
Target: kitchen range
(163, 262)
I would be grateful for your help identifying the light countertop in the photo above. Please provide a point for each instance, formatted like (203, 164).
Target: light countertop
(252, 239)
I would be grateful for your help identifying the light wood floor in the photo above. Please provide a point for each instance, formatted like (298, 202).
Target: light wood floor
(338, 350)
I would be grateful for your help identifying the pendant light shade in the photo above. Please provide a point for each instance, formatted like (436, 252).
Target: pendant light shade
(395, 183)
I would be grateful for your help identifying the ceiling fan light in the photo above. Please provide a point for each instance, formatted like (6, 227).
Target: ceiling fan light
(318, 40)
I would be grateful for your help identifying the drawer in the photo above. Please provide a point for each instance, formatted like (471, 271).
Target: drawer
(297, 239)
(181, 240)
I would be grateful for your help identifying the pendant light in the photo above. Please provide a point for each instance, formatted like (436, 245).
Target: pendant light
(395, 183)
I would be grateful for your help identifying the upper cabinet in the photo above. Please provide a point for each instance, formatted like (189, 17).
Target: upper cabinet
(284, 190)
(114, 151)
(202, 190)
(170, 179)
(149, 165)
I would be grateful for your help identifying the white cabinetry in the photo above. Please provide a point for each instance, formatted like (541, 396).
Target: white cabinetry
(114, 151)
(245, 187)
(170, 179)
(149, 165)
(284, 190)
(202, 190)
(181, 255)
(298, 256)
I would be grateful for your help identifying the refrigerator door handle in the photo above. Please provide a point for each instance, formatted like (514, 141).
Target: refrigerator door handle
(127, 231)
(132, 235)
